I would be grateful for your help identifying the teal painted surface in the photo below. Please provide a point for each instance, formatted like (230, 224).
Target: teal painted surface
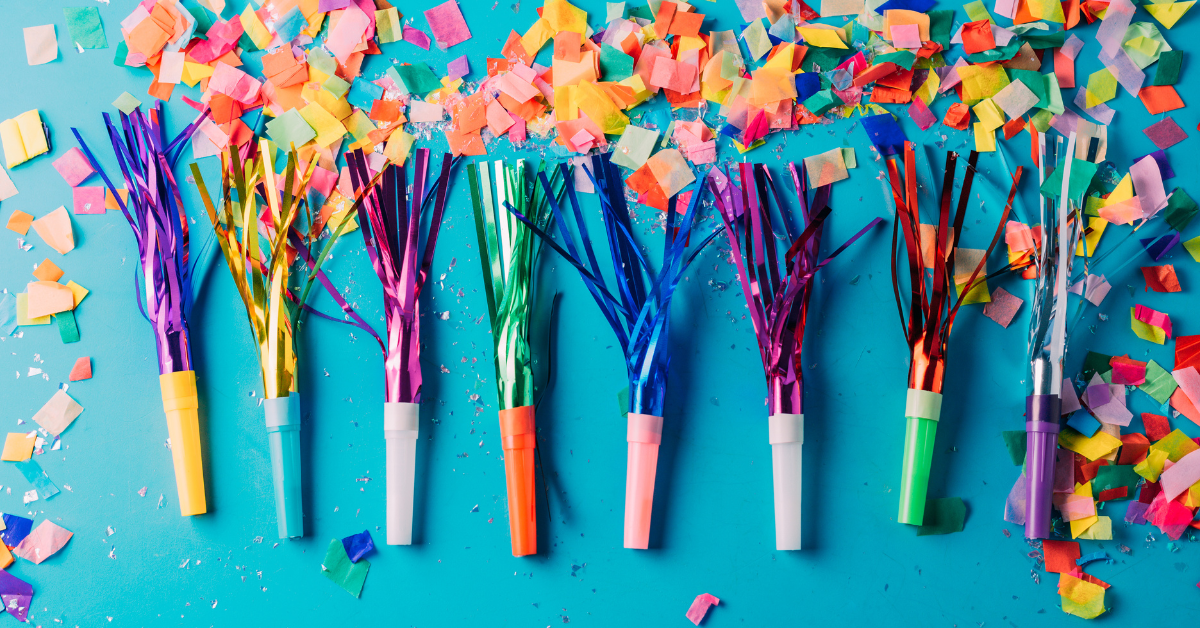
(713, 528)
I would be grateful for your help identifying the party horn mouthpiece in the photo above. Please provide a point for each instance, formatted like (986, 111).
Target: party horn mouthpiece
(786, 433)
(518, 440)
(400, 433)
(922, 411)
(283, 437)
(644, 436)
(1041, 440)
(181, 405)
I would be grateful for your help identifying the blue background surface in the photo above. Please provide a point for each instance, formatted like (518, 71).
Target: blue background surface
(713, 522)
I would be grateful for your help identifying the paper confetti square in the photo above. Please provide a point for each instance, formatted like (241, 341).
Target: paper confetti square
(15, 595)
(700, 606)
(73, 167)
(82, 370)
(45, 541)
(1165, 133)
(41, 44)
(87, 31)
(58, 413)
(346, 574)
(1161, 278)
(447, 24)
(358, 545)
(1003, 308)
(18, 446)
(943, 516)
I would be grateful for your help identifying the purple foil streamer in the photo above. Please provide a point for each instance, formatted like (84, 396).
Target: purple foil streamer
(391, 228)
(155, 213)
(777, 300)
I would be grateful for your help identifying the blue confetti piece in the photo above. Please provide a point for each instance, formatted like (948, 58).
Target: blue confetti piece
(290, 26)
(807, 84)
(1156, 248)
(16, 528)
(38, 478)
(1084, 423)
(8, 314)
(1093, 557)
(358, 545)
(885, 133)
(363, 95)
(920, 6)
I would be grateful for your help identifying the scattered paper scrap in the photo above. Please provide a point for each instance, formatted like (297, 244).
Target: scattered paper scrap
(82, 369)
(18, 446)
(943, 516)
(23, 137)
(338, 567)
(58, 413)
(700, 606)
(358, 545)
(1003, 307)
(447, 24)
(16, 595)
(15, 529)
(37, 477)
(41, 44)
(19, 221)
(85, 27)
(45, 541)
(55, 229)
(7, 188)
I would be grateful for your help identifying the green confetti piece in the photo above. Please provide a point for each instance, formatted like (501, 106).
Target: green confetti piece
(68, 329)
(1115, 476)
(290, 129)
(1159, 384)
(1016, 442)
(1180, 208)
(614, 64)
(126, 102)
(415, 79)
(338, 568)
(1167, 70)
(1095, 363)
(822, 101)
(943, 516)
(85, 27)
(1081, 179)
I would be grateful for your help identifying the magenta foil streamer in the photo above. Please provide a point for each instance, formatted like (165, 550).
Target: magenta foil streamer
(155, 214)
(777, 299)
(391, 226)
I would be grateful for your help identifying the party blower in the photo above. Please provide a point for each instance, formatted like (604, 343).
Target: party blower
(154, 209)
(260, 232)
(1047, 344)
(639, 315)
(777, 289)
(931, 314)
(507, 251)
(392, 229)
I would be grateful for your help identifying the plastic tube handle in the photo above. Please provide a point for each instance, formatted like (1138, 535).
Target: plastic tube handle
(922, 409)
(400, 426)
(181, 405)
(518, 440)
(644, 435)
(283, 437)
(786, 434)
(1042, 413)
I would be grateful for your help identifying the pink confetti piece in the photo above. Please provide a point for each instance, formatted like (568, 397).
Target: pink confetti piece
(1003, 308)
(1165, 133)
(416, 37)
(700, 607)
(447, 24)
